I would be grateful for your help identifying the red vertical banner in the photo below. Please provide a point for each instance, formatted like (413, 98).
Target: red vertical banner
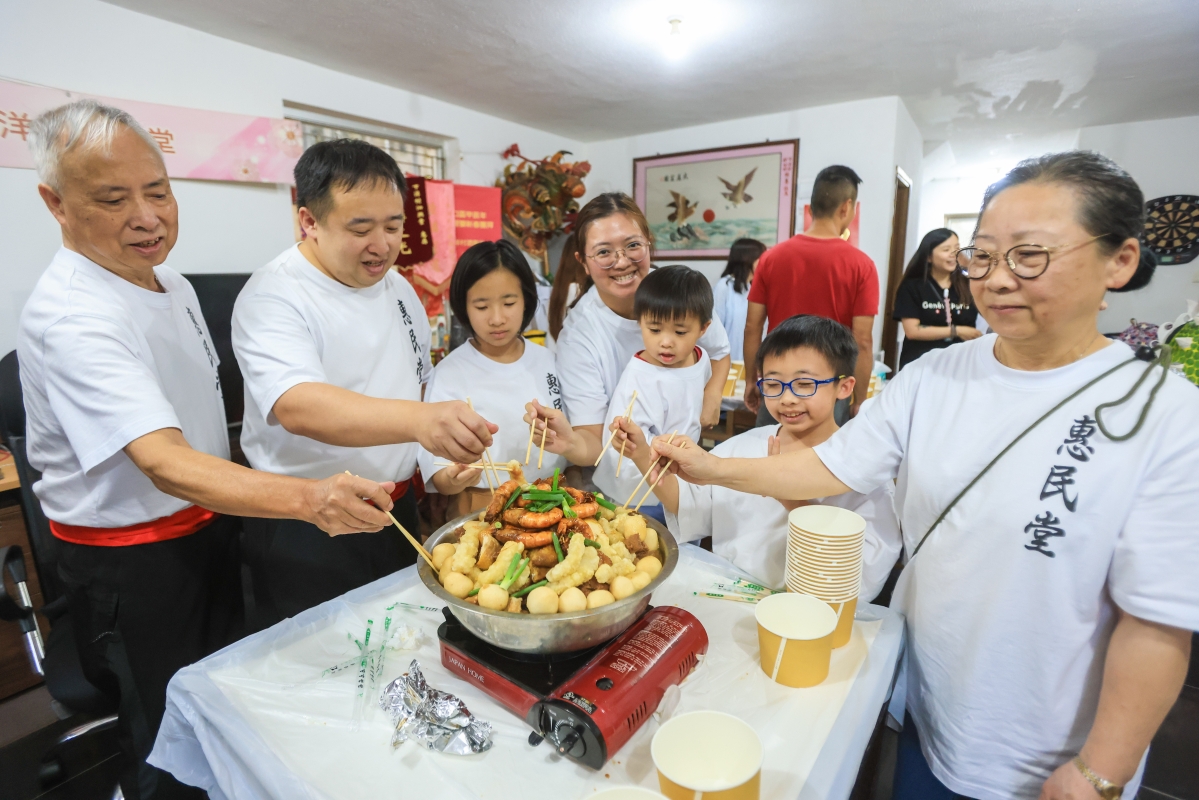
(854, 226)
(416, 245)
(476, 215)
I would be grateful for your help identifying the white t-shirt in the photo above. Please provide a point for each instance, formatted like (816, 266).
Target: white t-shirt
(104, 362)
(595, 347)
(1010, 603)
(668, 399)
(751, 531)
(294, 324)
(499, 393)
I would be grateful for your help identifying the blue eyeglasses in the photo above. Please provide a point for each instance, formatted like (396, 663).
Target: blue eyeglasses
(800, 387)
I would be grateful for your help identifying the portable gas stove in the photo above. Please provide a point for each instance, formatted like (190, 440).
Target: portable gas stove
(587, 703)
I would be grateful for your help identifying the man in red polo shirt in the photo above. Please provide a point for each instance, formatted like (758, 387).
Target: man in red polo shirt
(818, 273)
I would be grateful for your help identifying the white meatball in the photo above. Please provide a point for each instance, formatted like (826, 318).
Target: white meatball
(542, 600)
(640, 580)
(572, 599)
(622, 587)
(650, 566)
(599, 598)
(440, 553)
(493, 597)
(458, 584)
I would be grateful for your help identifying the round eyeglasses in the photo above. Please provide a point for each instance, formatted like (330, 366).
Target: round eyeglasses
(800, 387)
(606, 257)
(1026, 261)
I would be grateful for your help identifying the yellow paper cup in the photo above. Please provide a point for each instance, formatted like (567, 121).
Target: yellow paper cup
(708, 755)
(795, 638)
(844, 631)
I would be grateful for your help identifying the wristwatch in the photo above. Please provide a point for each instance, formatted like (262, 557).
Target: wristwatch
(1106, 789)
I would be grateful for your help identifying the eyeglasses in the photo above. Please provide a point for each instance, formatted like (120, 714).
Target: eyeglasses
(800, 387)
(606, 257)
(1026, 261)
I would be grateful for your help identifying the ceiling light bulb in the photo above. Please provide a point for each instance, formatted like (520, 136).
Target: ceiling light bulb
(676, 26)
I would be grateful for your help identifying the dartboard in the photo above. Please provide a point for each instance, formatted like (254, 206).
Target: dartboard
(1172, 228)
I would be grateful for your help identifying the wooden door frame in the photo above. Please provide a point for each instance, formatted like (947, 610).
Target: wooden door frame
(895, 264)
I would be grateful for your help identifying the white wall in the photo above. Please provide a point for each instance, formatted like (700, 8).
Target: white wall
(88, 46)
(1162, 157)
(871, 136)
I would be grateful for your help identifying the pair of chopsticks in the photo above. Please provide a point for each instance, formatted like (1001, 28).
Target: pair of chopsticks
(653, 486)
(541, 451)
(420, 548)
(628, 415)
(488, 464)
(476, 465)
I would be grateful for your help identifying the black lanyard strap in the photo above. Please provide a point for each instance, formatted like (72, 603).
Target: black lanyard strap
(1162, 359)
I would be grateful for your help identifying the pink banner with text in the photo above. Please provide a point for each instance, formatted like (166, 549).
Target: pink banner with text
(208, 145)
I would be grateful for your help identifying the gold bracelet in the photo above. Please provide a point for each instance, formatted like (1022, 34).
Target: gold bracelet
(1106, 789)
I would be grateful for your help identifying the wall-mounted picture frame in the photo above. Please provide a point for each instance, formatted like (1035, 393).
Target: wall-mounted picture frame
(699, 202)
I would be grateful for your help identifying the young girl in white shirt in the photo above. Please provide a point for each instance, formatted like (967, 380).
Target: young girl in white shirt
(806, 364)
(494, 294)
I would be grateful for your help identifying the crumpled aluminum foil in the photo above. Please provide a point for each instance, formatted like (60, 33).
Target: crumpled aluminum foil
(435, 718)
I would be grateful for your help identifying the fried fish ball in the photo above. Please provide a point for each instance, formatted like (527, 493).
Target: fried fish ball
(440, 553)
(650, 566)
(650, 537)
(493, 597)
(640, 580)
(622, 587)
(458, 584)
(543, 600)
(600, 597)
(572, 599)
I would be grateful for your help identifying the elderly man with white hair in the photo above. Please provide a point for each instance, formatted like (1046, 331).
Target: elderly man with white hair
(126, 424)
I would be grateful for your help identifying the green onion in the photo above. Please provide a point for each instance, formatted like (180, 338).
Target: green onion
(511, 499)
(511, 567)
(592, 543)
(498, 524)
(472, 592)
(567, 512)
(520, 567)
(555, 479)
(603, 501)
(557, 547)
(528, 589)
(540, 494)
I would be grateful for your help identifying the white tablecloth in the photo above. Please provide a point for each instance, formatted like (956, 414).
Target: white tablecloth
(258, 720)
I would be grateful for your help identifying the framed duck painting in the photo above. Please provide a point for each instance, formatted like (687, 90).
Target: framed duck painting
(698, 203)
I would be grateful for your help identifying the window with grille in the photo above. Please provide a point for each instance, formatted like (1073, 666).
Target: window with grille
(417, 154)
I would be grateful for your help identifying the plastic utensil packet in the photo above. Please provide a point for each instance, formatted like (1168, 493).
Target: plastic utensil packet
(438, 719)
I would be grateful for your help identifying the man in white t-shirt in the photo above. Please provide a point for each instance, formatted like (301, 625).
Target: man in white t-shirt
(125, 422)
(334, 348)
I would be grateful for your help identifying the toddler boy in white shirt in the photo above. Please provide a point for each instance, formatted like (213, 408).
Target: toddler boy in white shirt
(673, 306)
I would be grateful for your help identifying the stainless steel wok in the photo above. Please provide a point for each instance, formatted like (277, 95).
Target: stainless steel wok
(549, 633)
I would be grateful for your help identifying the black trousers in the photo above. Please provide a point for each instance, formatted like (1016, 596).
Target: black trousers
(141, 613)
(295, 565)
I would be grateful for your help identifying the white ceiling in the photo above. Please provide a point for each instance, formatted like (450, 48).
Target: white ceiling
(597, 69)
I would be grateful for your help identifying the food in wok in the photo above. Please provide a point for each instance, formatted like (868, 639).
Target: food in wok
(544, 548)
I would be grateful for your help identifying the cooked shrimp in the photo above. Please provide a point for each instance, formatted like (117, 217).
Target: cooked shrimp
(575, 494)
(585, 510)
(530, 539)
(497, 502)
(532, 519)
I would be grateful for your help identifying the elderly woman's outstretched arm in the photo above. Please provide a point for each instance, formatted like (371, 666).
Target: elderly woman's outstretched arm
(791, 476)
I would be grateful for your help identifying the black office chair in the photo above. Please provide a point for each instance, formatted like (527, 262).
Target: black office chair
(57, 661)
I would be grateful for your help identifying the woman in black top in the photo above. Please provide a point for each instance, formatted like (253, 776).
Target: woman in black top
(931, 280)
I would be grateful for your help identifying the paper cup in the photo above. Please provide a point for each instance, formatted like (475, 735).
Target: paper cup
(827, 521)
(844, 631)
(708, 755)
(795, 638)
(627, 793)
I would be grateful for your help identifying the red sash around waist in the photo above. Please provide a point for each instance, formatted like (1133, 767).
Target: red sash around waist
(182, 523)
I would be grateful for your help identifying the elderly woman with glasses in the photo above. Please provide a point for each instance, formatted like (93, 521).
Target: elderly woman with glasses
(601, 335)
(1045, 483)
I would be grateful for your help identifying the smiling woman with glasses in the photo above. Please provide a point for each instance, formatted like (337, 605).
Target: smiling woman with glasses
(1049, 611)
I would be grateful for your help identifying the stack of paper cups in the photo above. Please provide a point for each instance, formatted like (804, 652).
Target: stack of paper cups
(824, 559)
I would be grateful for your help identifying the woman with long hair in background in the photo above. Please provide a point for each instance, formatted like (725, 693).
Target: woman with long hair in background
(932, 301)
